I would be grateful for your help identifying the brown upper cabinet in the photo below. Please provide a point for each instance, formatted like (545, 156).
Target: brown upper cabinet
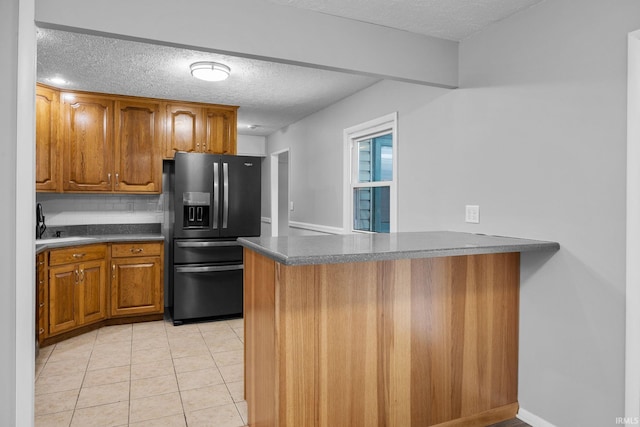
(198, 128)
(47, 118)
(138, 143)
(111, 145)
(92, 142)
(87, 142)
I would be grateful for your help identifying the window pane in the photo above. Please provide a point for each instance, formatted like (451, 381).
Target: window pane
(375, 159)
(371, 209)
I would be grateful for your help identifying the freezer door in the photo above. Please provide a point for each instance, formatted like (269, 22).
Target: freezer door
(205, 291)
(240, 195)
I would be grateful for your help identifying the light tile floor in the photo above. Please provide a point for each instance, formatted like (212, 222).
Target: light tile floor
(145, 374)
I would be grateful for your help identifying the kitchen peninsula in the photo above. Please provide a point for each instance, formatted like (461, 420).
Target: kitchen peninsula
(401, 329)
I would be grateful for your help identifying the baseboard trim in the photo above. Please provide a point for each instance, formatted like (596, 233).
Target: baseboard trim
(533, 419)
(316, 227)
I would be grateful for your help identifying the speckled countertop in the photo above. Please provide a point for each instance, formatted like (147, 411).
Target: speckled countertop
(330, 249)
(62, 242)
(100, 233)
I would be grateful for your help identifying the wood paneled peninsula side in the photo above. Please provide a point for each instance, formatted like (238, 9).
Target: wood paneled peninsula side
(397, 330)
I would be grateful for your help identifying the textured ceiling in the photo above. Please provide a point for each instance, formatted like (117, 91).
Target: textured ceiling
(270, 95)
(446, 19)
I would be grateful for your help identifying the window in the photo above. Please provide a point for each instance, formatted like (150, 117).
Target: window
(370, 176)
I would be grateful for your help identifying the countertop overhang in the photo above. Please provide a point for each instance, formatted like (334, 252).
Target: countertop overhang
(55, 243)
(361, 247)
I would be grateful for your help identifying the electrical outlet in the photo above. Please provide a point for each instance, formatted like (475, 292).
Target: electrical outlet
(291, 206)
(472, 214)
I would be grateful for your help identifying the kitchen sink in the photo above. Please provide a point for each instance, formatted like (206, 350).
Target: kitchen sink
(62, 239)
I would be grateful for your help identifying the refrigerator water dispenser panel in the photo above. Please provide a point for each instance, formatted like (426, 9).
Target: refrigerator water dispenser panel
(196, 207)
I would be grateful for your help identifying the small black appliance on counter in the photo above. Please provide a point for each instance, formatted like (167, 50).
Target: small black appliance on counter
(40, 225)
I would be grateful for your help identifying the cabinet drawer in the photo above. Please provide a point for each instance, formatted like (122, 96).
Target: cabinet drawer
(77, 254)
(119, 250)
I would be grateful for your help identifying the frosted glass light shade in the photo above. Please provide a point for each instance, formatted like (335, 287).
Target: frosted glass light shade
(210, 71)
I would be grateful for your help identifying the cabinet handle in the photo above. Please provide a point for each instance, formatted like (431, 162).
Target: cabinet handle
(136, 250)
(41, 282)
(109, 178)
(82, 275)
(41, 331)
(117, 179)
(79, 255)
(197, 145)
(41, 304)
(41, 263)
(77, 276)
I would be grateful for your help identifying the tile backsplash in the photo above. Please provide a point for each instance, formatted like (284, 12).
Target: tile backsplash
(81, 209)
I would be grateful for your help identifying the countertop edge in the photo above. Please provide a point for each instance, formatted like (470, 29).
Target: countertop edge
(529, 246)
(90, 240)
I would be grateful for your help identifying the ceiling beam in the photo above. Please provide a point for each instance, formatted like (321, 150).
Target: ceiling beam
(263, 30)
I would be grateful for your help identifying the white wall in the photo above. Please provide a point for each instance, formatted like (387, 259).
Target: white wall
(536, 137)
(251, 145)
(544, 107)
(8, 121)
(17, 178)
(316, 147)
(632, 366)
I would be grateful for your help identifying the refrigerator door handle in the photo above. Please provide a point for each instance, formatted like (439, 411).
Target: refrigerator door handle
(207, 244)
(216, 195)
(225, 199)
(208, 269)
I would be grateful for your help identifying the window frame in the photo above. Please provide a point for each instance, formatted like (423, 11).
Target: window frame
(387, 124)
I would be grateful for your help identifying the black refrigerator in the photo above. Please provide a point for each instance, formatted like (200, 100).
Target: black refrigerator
(216, 199)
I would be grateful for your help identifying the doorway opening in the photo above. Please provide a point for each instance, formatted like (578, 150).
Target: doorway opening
(280, 167)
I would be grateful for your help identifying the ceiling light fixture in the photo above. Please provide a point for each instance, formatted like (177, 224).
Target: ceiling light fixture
(58, 80)
(210, 71)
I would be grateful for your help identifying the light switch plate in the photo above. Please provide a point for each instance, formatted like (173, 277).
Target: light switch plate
(472, 214)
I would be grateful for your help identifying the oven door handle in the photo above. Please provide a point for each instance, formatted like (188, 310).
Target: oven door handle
(209, 268)
(205, 244)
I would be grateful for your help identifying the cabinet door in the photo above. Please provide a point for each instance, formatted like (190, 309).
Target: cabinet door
(63, 298)
(88, 143)
(138, 164)
(220, 131)
(47, 122)
(93, 291)
(41, 297)
(136, 286)
(183, 129)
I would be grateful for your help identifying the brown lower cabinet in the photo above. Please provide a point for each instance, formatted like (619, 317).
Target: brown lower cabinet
(74, 293)
(77, 287)
(136, 279)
